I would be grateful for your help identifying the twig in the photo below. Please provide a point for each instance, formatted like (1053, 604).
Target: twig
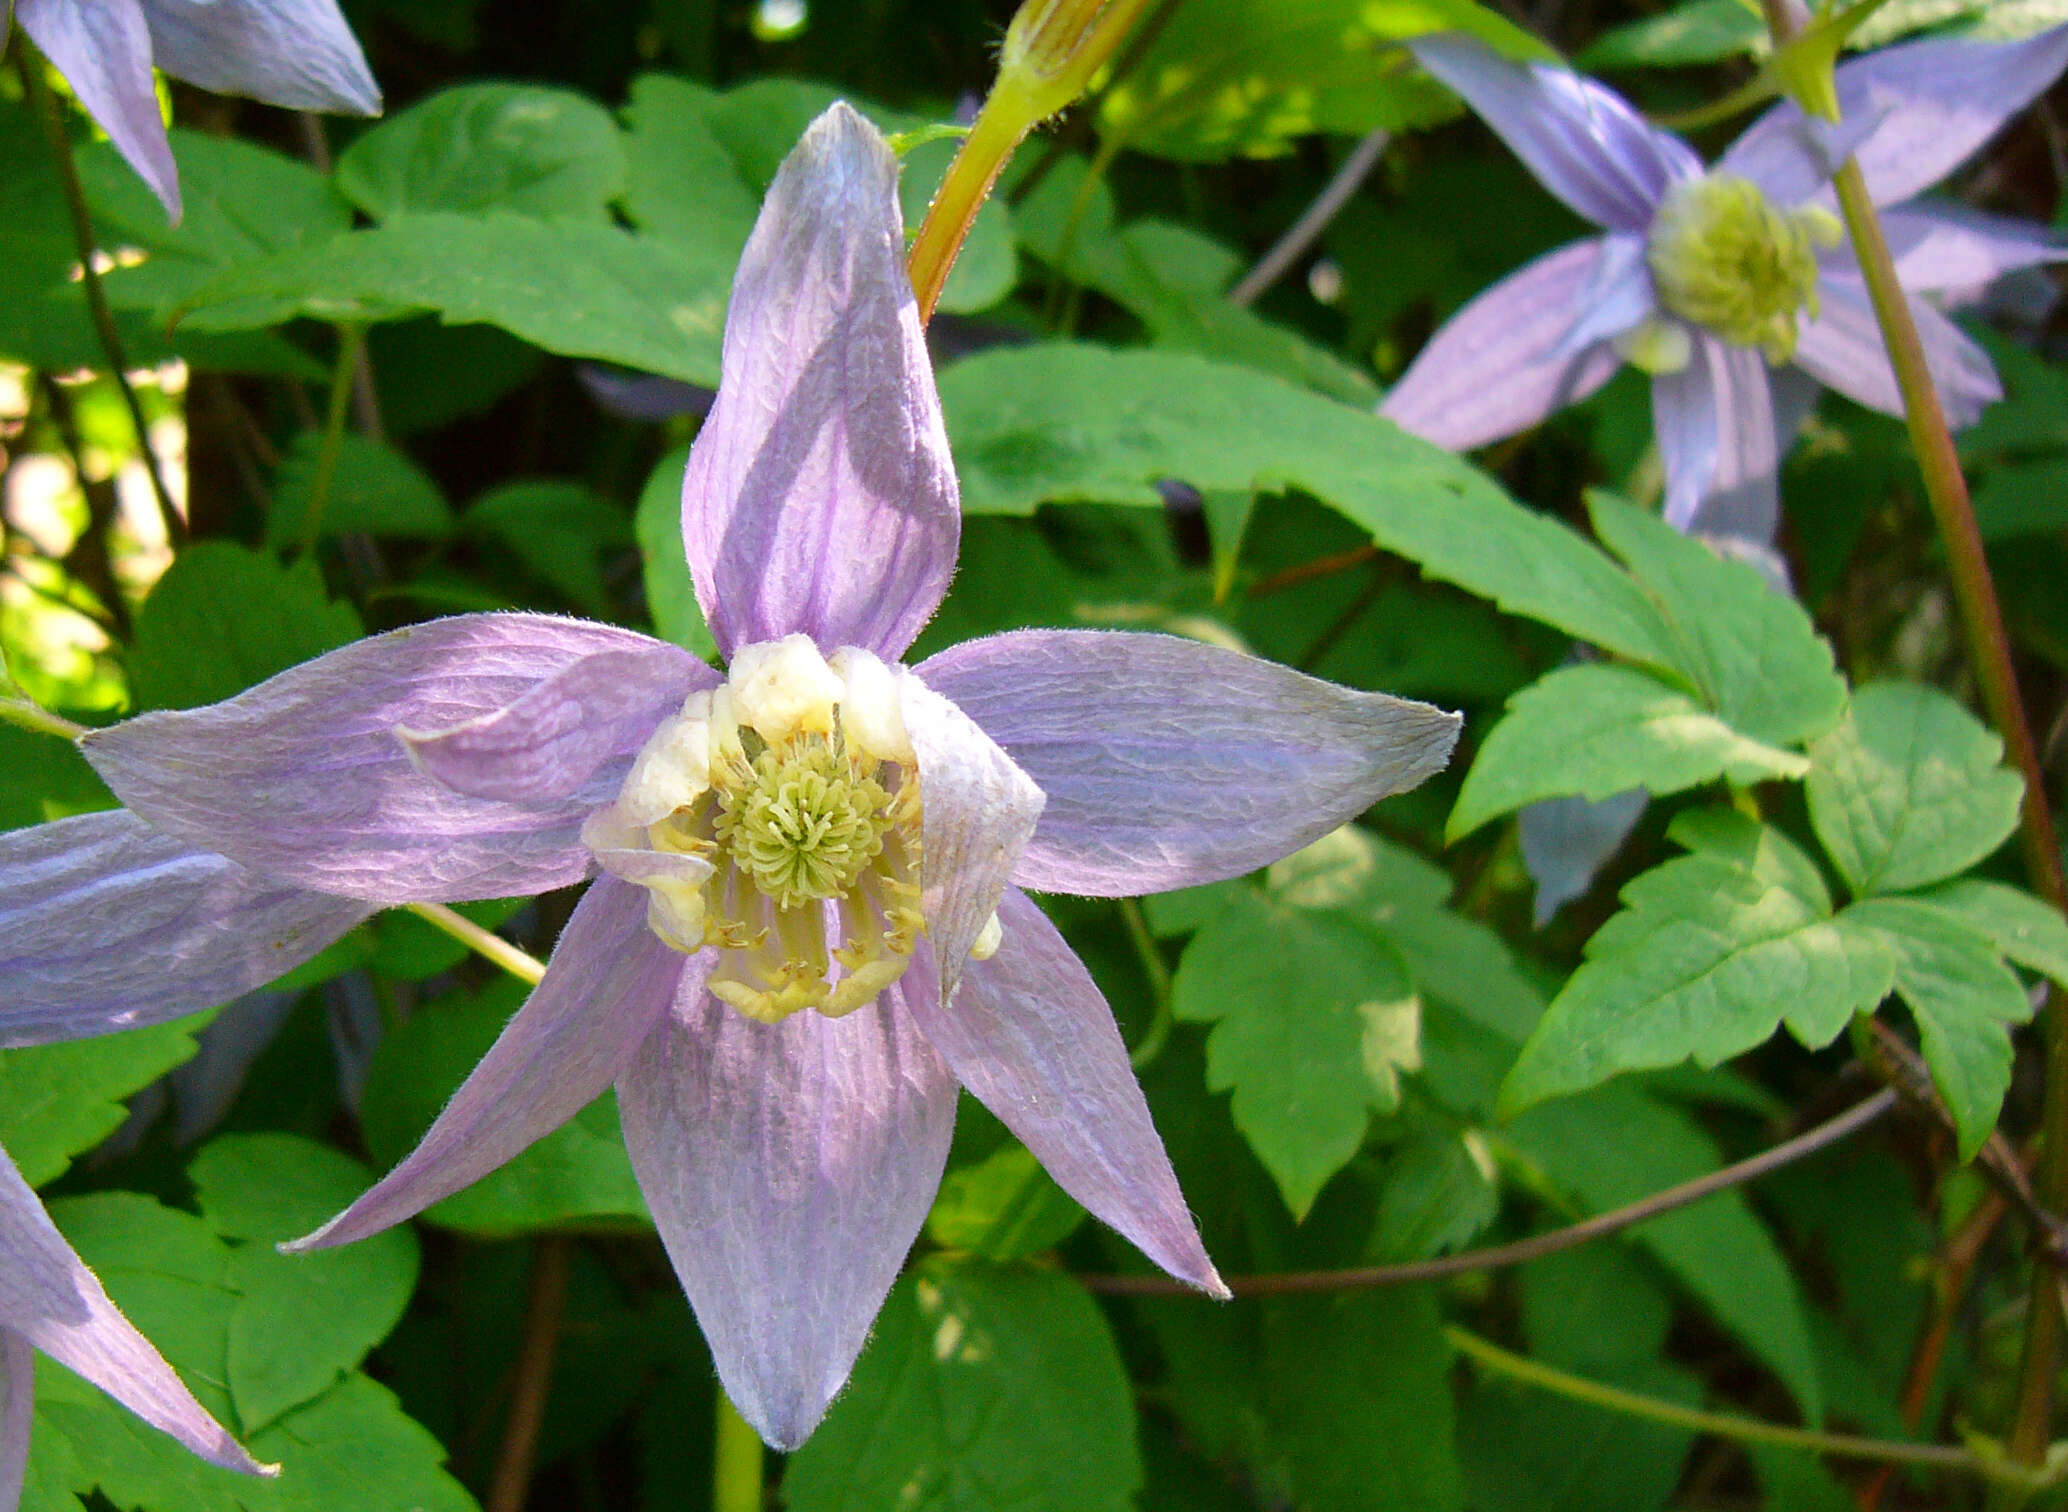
(331, 446)
(1303, 233)
(89, 560)
(1307, 572)
(482, 942)
(1158, 973)
(545, 1304)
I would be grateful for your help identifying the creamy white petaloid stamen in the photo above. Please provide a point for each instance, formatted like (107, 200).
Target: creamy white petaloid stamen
(796, 783)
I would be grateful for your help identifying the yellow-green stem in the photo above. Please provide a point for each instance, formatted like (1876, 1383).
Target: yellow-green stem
(735, 1462)
(482, 942)
(342, 376)
(1000, 127)
(31, 716)
(1158, 973)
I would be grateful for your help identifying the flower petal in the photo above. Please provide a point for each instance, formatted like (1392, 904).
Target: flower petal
(17, 1397)
(1566, 841)
(609, 980)
(296, 53)
(51, 1299)
(978, 810)
(789, 1167)
(1842, 348)
(303, 777)
(1957, 252)
(1502, 363)
(545, 746)
(104, 52)
(820, 496)
(1168, 763)
(1714, 420)
(1581, 139)
(107, 924)
(1032, 1037)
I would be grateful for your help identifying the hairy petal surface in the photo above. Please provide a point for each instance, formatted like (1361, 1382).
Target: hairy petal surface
(304, 778)
(1032, 1037)
(1503, 362)
(1582, 140)
(1168, 763)
(1843, 349)
(107, 924)
(297, 53)
(50, 1298)
(104, 51)
(820, 496)
(17, 1403)
(1715, 423)
(609, 980)
(546, 746)
(789, 1167)
(1957, 252)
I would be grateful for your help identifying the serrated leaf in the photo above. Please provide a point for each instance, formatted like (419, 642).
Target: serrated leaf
(222, 619)
(2023, 928)
(1697, 31)
(1002, 1208)
(373, 487)
(680, 181)
(982, 1390)
(1909, 789)
(1595, 730)
(1438, 1194)
(58, 1100)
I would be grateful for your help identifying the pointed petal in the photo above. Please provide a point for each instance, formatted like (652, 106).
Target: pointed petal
(107, 924)
(1842, 348)
(1566, 841)
(1501, 364)
(104, 52)
(1033, 1038)
(546, 745)
(609, 980)
(979, 809)
(296, 53)
(1715, 424)
(1957, 252)
(51, 1299)
(1582, 140)
(789, 1167)
(17, 1398)
(820, 496)
(303, 777)
(1168, 763)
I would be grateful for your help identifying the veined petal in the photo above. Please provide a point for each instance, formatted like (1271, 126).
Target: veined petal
(107, 924)
(978, 810)
(544, 747)
(820, 496)
(1842, 348)
(104, 51)
(1582, 140)
(1032, 1037)
(50, 1298)
(1168, 763)
(609, 980)
(1714, 420)
(297, 53)
(304, 779)
(789, 1167)
(17, 1399)
(1502, 363)
(1956, 252)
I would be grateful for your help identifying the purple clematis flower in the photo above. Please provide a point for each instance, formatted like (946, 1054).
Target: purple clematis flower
(297, 53)
(809, 926)
(1728, 284)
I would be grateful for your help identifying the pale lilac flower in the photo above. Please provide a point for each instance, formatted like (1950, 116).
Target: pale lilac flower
(809, 928)
(297, 53)
(1730, 284)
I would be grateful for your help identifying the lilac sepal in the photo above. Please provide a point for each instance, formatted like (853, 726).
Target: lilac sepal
(978, 810)
(1566, 841)
(296, 53)
(544, 747)
(103, 49)
(1167, 763)
(303, 777)
(820, 496)
(609, 980)
(1502, 363)
(789, 1167)
(1953, 251)
(1842, 348)
(107, 924)
(1715, 423)
(1583, 142)
(17, 1402)
(1032, 1037)
(50, 1298)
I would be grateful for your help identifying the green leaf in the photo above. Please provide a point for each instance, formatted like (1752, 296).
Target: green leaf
(1596, 730)
(2026, 929)
(1439, 1193)
(2022, 499)
(1964, 1000)
(671, 596)
(479, 147)
(57, 1100)
(374, 487)
(1712, 952)
(1069, 422)
(1314, 1019)
(1002, 1208)
(222, 619)
(1697, 31)
(559, 530)
(982, 1390)
(1909, 789)
(680, 181)
(47, 779)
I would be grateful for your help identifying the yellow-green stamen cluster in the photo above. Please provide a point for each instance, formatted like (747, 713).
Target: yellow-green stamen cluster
(808, 824)
(1724, 257)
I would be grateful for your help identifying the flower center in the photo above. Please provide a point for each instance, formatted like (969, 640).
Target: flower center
(1724, 257)
(808, 824)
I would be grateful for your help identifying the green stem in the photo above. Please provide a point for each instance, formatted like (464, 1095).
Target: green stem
(19, 711)
(736, 1484)
(482, 942)
(1725, 1425)
(30, 63)
(342, 377)
(1159, 983)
